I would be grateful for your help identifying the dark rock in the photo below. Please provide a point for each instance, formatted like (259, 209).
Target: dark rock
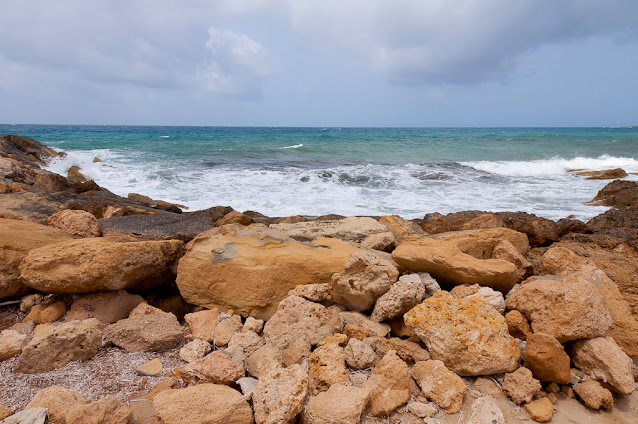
(160, 227)
(330, 217)
(619, 194)
(615, 218)
(572, 226)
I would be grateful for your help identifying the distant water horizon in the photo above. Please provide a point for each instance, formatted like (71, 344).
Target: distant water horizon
(282, 171)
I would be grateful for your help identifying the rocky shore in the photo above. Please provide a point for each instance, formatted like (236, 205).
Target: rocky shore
(131, 310)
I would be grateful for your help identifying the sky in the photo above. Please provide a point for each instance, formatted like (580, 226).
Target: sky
(415, 63)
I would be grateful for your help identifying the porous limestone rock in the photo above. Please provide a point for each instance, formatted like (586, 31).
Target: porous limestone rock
(94, 264)
(505, 250)
(567, 308)
(518, 325)
(59, 401)
(385, 242)
(431, 286)
(594, 395)
(440, 385)
(59, 345)
(546, 358)
(46, 312)
(247, 386)
(253, 324)
(202, 323)
(403, 295)
(76, 223)
(108, 307)
(204, 403)
(264, 360)
(327, 366)
(146, 329)
(227, 326)
(364, 278)
(521, 386)
(236, 354)
(388, 385)
(338, 405)
(106, 410)
(318, 293)
(11, 343)
(279, 395)
(493, 297)
(352, 228)
(605, 361)
(408, 351)
(248, 341)
(540, 410)
(216, 367)
(235, 217)
(17, 238)
(423, 409)
(467, 334)
(401, 228)
(485, 410)
(480, 242)
(194, 350)
(359, 355)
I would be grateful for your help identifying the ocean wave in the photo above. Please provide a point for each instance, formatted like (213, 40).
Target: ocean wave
(295, 146)
(553, 166)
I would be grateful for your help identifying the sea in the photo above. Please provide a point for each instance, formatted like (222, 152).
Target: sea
(282, 171)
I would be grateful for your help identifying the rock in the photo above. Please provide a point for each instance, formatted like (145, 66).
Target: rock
(505, 250)
(17, 238)
(248, 341)
(236, 354)
(216, 367)
(607, 174)
(74, 174)
(566, 308)
(194, 350)
(359, 355)
(29, 301)
(467, 334)
(485, 410)
(279, 395)
(603, 360)
(247, 385)
(251, 270)
(464, 290)
(540, 410)
(444, 261)
(235, 217)
(385, 242)
(318, 293)
(540, 231)
(291, 219)
(614, 219)
(94, 264)
(403, 295)
(59, 402)
(11, 343)
(401, 228)
(204, 403)
(521, 386)
(594, 395)
(29, 416)
(298, 318)
(108, 307)
(350, 229)
(388, 385)
(264, 360)
(77, 224)
(480, 243)
(431, 286)
(435, 223)
(492, 297)
(253, 324)
(146, 329)
(546, 358)
(422, 409)
(518, 325)
(107, 410)
(327, 366)
(70, 341)
(151, 368)
(440, 385)
(202, 323)
(408, 351)
(338, 338)
(227, 326)
(619, 194)
(370, 327)
(46, 313)
(5, 412)
(364, 278)
(338, 405)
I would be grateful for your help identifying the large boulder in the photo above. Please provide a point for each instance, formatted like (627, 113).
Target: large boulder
(88, 265)
(17, 238)
(480, 243)
(468, 335)
(619, 194)
(351, 229)
(204, 403)
(251, 270)
(61, 344)
(445, 261)
(567, 308)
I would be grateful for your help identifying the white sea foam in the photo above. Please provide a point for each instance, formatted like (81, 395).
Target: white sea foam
(296, 146)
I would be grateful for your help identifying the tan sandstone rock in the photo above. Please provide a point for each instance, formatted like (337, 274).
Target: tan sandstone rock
(540, 410)
(546, 358)
(28, 416)
(388, 385)
(146, 329)
(518, 325)
(235, 217)
(485, 410)
(440, 385)
(385, 242)
(107, 410)
(59, 401)
(408, 351)
(17, 238)
(108, 307)
(567, 308)
(94, 264)
(352, 228)
(467, 334)
(216, 367)
(5, 412)
(359, 355)
(279, 395)
(521, 386)
(61, 344)
(401, 228)
(202, 323)
(338, 405)
(204, 403)
(480, 243)
(11, 343)
(151, 368)
(46, 312)
(327, 366)
(227, 326)
(363, 322)
(248, 341)
(403, 295)
(594, 395)
(493, 297)
(253, 324)
(505, 250)
(318, 293)
(264, 360)
(76, 223)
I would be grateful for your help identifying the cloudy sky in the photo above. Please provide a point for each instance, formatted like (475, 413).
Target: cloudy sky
(320, 63)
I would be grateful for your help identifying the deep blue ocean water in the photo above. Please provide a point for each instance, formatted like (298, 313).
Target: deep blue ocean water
(349, 171)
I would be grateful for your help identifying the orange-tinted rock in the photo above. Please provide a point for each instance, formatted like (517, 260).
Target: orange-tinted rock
(388, 385)
(108, 307)
(46, 313)
(547, 359)
(440, 385)
(77, 224)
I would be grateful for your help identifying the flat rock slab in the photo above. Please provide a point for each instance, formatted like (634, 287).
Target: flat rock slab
(160, 227)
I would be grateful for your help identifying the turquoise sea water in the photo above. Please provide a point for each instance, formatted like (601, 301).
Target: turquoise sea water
(350, 171)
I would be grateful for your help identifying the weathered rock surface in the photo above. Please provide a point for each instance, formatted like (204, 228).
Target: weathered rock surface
(619, 194)
(248, 341)
(408, 351)
(227, 326)
(279, 395)
(108, 307)
(29, 416)
(385, 242)
(107, 410)
(566, 308)
(318, 293)
(401, 228)
(594, 395)
(46, 312)
(388, 385)
(146, 329)
(95, 264)
(505, 250)
(11, 343)
(59, 402)
(152, 368)
(61, 344)
(216, 367)
(251, 270)
(540, 410)
(606, 174)
(76, 223)
(403, 295)
(485, 410)
(480, 243)
(362, 323)
(338, 405)
(359, 355)
(493, 297)
(351, 229)
(17, 238)
(194, 350)
(444, 261)
(202, 323)
(327, 366)
(440, 385)
(518, 325)
(603, 360)
(521, 386)
(264, 360)
(546, 358)
(467, 334)
(204, 403)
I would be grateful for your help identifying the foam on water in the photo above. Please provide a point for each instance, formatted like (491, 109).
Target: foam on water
(296, 146)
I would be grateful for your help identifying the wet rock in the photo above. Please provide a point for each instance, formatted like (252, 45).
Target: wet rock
(279, 395)
(403, 295)
(59, 401)
(521, 386)
(215, 367)
(540, 231)
(108, 307)
(171, 226)
(546, 358)
(338, 405)
(440, 385)
(594, 395)
(388, 385)
(76, 223)
(607, 174)
(327, 366)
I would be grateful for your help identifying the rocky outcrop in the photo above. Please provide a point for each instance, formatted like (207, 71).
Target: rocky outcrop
(606, 174)
(619, 194)
(468, 335)
(351, 229)
(77, 224)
